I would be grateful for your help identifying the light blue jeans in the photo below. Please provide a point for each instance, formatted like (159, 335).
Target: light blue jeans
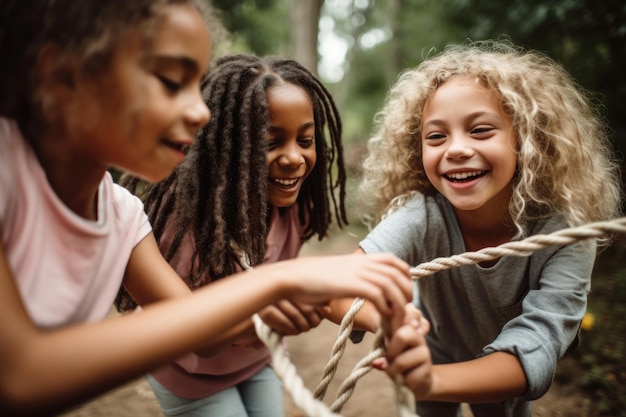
(259, 396)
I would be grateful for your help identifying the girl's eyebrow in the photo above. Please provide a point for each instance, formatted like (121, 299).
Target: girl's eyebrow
(189, 64)
(305, 126)
(469, 117)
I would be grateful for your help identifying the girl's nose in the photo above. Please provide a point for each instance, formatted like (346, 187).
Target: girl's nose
(290, 157)
(198, 114)
(459, 147)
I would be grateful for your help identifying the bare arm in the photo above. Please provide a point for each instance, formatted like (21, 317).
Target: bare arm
(494, 377)
(48, 371)
(152, 285)
(150, 279)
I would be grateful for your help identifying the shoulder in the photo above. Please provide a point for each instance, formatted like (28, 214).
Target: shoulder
(7, 126)
(11, 140)
(576, 255)
(415, 228)
(124, 208)
(18, 166)
(122, 198)
(548, 225)
(556, 223)
(417, 208)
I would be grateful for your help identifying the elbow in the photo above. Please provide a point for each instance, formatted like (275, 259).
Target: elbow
(16, 400)
(20, 394)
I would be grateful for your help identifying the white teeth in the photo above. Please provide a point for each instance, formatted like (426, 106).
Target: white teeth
(285, 182)
(464, 175)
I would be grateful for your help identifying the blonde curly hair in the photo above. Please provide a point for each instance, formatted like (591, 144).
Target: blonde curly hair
(565, 159)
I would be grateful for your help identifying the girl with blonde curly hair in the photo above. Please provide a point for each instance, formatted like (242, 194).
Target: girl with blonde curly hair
(479, 145)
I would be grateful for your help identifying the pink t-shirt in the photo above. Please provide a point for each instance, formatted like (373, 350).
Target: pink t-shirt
(195, 377)
(67, 269)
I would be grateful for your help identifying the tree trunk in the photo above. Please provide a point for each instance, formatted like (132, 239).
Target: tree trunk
(395, 61)
(305, 15)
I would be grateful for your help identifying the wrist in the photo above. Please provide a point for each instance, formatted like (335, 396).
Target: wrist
(436, 385)
(283, 286)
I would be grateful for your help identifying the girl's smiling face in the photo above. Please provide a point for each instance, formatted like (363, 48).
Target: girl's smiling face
(146, 104)
(291, 153)
(469, 146)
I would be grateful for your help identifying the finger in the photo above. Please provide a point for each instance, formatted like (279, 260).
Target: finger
(311, 313)
(403, 278)
(388, 281)
(395, 269)
(276, 319)
(302, 317)
(403, 339)
(375, 294)
(324, 310)
(419, 378)
(380, 363)
(413, 365)
(415, 318)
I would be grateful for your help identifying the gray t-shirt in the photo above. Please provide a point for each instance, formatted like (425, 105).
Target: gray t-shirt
(528, 306)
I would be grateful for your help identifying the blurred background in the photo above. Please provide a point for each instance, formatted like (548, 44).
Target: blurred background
(359, 47)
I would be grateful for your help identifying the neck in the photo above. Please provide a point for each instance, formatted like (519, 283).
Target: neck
(482, 230)
(74, 179)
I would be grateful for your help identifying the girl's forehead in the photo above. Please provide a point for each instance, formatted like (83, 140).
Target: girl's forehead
(457, 82)
(464, 79)
(461, 94)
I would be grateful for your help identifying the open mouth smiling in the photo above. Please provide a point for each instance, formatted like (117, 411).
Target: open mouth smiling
(290, 182)
(179, 146)
(464, 176)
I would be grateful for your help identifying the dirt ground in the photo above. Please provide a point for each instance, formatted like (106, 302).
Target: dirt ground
(373, 395)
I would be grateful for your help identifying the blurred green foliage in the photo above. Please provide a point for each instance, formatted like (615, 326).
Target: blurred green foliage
(587, 36)
(257, 26)
(597, 368)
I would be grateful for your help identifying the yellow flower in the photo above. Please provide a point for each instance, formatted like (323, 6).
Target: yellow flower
(588, 321)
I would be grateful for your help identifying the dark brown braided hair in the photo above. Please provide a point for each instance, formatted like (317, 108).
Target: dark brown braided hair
(219, 192)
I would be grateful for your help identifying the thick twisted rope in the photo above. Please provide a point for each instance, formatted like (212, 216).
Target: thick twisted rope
(286, 370)
(313, 406)
(520, 248)
(283, 367)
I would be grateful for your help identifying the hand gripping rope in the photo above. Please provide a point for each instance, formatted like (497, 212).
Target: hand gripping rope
(313, 406)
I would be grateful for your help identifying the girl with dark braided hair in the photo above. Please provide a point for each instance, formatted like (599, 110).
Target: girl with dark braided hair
(263, 177)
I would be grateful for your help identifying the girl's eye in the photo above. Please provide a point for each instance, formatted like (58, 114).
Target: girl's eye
(481, 130)
(272, 144)
(435, 136)
(170, 84)
(306, 142)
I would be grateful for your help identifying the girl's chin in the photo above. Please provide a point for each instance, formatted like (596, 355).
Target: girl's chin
(282, 202)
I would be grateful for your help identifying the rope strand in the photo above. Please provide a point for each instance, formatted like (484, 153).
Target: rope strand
(312, 404)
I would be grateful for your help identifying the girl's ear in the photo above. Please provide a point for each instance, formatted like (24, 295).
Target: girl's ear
(56, 72)
(55, 66)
